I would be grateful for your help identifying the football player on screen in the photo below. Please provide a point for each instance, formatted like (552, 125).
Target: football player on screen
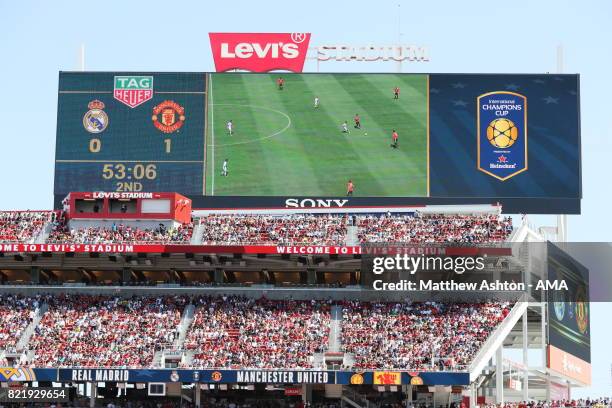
(345, 128)
(350, 188)
(357, 120)
(395, 138)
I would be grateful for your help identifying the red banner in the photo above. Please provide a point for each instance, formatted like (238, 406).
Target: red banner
(259, 52)
(293, 391)
(159, 248)
(240, 249)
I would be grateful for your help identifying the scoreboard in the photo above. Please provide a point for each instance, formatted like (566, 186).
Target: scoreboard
(130, 132)
(512, 139)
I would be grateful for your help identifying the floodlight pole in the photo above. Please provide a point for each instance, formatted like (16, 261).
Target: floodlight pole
(399, 36)
(82, 58)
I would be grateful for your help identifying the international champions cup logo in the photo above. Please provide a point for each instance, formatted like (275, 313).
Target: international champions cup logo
(259, 52)
(502, 134)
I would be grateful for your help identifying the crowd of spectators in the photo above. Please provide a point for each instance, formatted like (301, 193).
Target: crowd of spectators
(267, 229)
(22, 226)
(331, 229)
(256, 229)
(238, 332)
(246, 333)
(434, 228)
(417, 336)
(103, 331)
(120, 233)
(16, 313)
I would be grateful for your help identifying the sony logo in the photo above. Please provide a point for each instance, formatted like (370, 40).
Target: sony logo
(315, 203)
(272, 50)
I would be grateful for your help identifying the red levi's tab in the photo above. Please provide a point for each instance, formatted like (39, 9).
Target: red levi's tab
(259, 52)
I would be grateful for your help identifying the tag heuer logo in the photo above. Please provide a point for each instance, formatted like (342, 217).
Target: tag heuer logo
(133, 90)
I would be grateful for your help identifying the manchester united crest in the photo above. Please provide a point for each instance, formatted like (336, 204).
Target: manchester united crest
(95, 120)
(168, 116)
(216, 376)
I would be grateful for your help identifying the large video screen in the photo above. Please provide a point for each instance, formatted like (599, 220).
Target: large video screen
(270, 140)
(569, 309)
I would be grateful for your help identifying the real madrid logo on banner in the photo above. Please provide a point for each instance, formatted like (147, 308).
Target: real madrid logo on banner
(95, 120)
(502, 134)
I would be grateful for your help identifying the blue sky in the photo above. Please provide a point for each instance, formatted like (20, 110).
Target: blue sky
(41, 38)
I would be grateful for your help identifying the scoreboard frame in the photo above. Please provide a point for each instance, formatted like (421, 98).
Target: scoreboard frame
(188, 176)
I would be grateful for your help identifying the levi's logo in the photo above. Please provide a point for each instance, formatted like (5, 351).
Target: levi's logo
(259, 52)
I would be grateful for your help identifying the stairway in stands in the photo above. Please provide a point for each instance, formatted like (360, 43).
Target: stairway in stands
(159, 358)
(352, 236)
(335, 330)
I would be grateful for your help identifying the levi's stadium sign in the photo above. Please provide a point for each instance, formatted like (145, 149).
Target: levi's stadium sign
(259, 52)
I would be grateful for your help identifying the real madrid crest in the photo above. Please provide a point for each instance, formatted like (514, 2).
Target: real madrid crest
(168, 116)
(95, 120)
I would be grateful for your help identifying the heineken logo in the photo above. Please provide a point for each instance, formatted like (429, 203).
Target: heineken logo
(133, 90)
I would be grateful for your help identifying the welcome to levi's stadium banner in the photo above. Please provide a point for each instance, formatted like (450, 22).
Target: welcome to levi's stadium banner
(248, 249)
(11, 374)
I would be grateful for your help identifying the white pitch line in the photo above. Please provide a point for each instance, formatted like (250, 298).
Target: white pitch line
(287, 126)
(212, 124)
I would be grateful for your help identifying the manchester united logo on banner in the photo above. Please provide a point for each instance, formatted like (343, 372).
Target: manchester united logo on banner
(502, 134)
(387, 378)
(168, 116)
(216, 376)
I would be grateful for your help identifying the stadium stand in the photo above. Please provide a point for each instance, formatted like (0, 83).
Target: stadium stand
(22, 226)
(331, 229)
(16, 313)
(237, 332)
(434, 228)
(120, 233)
(266, 229)
(99, 331)
(417, 336)
(308, 229)
(246, 333)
